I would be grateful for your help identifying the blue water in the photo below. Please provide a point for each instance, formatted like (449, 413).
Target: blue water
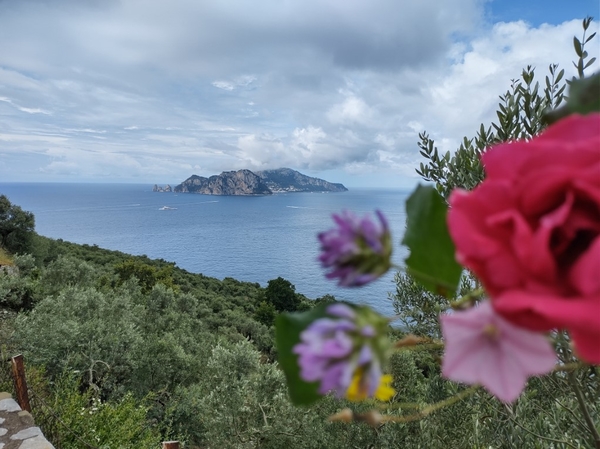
(247, 238)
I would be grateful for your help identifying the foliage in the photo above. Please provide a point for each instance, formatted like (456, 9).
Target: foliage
(18, 293)
(16, 227)
(520, 116)
(282, 295)
(206, 364)
(146, 275)
(85, 330)
(86, 420)
(5, 258)
(25, 263)
(431, 258)
(265, 313)
(66, 271)
(118, 335)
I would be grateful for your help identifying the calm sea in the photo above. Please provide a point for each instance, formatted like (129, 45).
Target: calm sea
(247, 238)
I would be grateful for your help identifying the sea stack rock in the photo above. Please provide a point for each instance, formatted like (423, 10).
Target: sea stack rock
(166, 188)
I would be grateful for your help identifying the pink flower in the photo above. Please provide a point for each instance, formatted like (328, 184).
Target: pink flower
(483, 348)
(531, 231)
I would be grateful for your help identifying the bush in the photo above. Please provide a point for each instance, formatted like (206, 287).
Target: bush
(86, 420)
(16, 227)
(282, 295)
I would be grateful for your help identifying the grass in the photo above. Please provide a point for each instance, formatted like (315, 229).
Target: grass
(5, 258)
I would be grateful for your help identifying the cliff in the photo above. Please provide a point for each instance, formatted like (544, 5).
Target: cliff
(241, 182)
(266, 182)
(288, 180)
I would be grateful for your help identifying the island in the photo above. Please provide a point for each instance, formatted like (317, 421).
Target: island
(246, 182)
(166, 188)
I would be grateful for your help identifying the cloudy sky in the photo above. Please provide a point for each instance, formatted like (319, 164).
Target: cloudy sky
(152, 91)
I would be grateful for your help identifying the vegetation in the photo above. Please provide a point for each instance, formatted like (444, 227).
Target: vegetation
(5, 258)
(16, 227)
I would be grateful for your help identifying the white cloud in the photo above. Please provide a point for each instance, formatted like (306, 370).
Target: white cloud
(351, 111)
(225, 85)
(24, 109)
(32, 138)
(468, 92)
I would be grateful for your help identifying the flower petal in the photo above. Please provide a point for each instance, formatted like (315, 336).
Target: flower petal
(483, 348)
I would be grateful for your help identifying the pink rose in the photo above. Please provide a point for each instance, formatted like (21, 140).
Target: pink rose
(531, 231)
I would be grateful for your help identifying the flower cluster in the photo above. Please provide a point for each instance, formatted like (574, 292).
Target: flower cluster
(531, 231)
(344, 352)
(358, 250)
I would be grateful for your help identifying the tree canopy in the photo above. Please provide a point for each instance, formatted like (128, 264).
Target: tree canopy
(16, 227)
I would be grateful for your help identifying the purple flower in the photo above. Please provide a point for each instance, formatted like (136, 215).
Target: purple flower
(335, 350)
(358, 250)
(483, 348)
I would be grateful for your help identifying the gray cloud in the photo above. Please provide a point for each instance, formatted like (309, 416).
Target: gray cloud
(150, 90)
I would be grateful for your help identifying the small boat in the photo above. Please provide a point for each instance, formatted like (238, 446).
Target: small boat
(167, 208)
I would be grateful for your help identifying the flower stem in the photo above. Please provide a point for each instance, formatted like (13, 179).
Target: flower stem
(468, 298)
(573, 366)
(584, 410)
(420, 347)
(442, 288)
(433, 407)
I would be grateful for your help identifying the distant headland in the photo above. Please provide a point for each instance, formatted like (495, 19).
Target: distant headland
(246, 182)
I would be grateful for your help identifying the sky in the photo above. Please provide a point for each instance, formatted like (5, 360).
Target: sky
(149, 91)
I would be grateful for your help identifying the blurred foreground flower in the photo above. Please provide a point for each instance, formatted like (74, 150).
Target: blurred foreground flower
(531, 231)
(483, 348)
(345, 352)
(358, 392)
(358, 250)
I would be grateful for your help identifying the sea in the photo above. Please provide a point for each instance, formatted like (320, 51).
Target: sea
(249, 238)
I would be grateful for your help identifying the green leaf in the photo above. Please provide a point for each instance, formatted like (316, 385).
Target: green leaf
(288, 327)
(590, 37)
(431, 259)
(577, 46)
(589, 63)
(584, 97)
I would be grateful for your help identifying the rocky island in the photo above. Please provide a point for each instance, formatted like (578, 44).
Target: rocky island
(166, 188)
(246, 182)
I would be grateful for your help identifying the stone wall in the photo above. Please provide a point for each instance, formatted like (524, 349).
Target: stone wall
(17, 429)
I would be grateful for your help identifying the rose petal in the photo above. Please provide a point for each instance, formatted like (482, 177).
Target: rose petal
(574, 128)
(545, 312)
(587, 345)
(585, 272)
(530, 230)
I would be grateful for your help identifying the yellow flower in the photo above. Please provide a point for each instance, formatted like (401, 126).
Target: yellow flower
(358, 389)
